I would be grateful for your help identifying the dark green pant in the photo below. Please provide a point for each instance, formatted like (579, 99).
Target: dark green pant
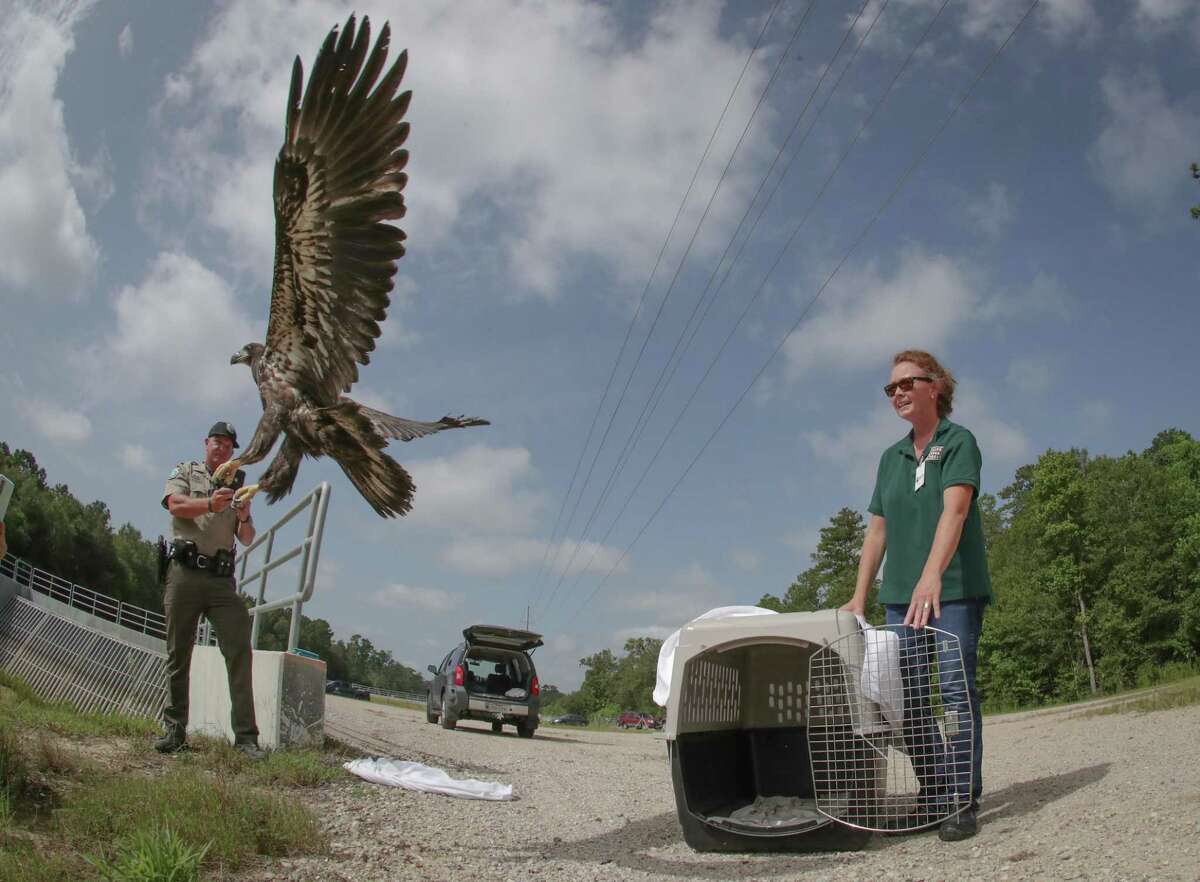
(190, 595)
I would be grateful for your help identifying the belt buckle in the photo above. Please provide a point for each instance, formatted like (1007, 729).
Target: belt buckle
(202, 561)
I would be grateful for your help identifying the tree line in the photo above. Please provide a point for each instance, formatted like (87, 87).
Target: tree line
(50, 529)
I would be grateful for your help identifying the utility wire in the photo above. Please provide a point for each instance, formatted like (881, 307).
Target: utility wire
(676, 356)
(783, 58)
(642, 301)
(804, 313)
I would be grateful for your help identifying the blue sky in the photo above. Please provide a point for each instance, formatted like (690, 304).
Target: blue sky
(1042, 248)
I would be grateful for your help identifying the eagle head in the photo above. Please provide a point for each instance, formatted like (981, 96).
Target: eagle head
(248, 354)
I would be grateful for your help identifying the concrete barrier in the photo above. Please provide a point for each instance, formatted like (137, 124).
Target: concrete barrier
(289, 698)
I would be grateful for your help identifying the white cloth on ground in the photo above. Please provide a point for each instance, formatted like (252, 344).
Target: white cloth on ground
(881, 679)
(415, 776)
(666, 655)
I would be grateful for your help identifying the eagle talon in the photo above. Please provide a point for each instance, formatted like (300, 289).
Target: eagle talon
(244, 495)
(225, 471)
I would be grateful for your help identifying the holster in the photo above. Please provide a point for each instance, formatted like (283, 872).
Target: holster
(163, 560)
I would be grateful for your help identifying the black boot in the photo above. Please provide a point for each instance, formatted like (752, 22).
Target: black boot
(961, 826)
(174, 741)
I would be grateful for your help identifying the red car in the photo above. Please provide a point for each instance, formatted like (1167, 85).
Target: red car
(635, 720)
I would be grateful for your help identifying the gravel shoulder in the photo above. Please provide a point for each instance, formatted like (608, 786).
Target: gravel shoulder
(1065, 797)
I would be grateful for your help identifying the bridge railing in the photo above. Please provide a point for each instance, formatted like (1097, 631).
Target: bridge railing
(128, 615)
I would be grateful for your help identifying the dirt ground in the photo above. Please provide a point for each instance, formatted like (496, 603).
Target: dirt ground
(1065, 797)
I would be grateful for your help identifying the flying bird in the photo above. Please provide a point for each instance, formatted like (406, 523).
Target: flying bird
(339, 178)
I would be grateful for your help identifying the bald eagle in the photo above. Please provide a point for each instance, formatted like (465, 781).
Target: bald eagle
(338, 179)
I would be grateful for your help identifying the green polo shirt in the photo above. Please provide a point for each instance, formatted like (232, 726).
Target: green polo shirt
(952, 457)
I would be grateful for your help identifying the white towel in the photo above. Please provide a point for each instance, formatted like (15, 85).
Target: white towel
(415, 776)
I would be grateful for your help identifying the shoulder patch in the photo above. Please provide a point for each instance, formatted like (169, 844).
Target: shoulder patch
(174, 473)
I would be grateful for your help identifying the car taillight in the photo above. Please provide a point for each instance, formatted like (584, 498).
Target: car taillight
(458, 675)
(535, 688)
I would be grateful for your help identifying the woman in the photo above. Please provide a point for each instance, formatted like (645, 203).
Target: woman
(925, 514)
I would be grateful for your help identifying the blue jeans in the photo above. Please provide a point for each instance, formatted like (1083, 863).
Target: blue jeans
(942, 768)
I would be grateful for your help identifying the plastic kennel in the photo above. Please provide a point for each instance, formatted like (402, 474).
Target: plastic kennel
(802, 731)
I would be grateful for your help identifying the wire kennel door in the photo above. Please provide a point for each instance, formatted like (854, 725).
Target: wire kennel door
(891, 736)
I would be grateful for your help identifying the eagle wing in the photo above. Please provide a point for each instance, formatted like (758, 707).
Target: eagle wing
(338, 178)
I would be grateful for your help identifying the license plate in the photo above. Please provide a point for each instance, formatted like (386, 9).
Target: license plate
(499, 707)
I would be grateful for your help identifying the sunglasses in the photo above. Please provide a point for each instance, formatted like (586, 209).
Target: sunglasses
(904, 384)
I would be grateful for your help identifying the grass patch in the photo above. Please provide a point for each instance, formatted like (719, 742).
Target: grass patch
(236, 821)
(21, 706)
(157, 855)
(1178, 694)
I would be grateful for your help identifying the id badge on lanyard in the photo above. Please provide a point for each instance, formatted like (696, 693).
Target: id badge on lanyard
(920, 480)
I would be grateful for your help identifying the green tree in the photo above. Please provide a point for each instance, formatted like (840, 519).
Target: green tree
(1196, 177)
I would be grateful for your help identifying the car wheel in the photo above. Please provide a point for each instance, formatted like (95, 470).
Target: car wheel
(448, 719)
(430, 714)
(497, 727)
(525, 731)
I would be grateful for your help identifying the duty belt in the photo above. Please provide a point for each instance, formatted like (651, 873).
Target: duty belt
(183, 551)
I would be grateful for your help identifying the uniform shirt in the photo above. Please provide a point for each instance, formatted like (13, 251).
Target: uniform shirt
(210, 532)
(952, 457)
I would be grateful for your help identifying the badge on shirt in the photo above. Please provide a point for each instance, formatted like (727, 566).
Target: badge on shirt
(174, 473)
(935, 453)
(920, 482)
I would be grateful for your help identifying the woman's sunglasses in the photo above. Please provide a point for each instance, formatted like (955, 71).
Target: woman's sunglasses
(904, 384)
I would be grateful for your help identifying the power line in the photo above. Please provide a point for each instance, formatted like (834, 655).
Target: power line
(804, 313)
(673, 362)
(641, 302)
(654, 324)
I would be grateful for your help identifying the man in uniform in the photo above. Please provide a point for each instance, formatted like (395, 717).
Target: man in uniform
(204, 523)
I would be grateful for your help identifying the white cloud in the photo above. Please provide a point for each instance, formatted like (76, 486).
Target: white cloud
(1142, 154)
(992, 211)
(1044, 296)
(1096, 415)
(503, 555)
(803, 540)
(592, 159)
(475, 489)
(863, 313)
(658, 632)
(125, 41)
(746, 559)
(56, 422)
(403, 596)
(136, 458)
(175, 333)
(991, 20)
(45, 246)
(1031, 374)
(1158, 13)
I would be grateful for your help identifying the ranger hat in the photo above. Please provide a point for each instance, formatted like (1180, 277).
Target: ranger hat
(226, 429)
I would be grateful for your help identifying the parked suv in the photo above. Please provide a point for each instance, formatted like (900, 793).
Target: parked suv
(489, 677)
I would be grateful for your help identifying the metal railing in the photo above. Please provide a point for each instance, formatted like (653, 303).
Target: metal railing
(389, 693)
(127, 615)
(309, 550)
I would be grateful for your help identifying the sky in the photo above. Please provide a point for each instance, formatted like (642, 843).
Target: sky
(668, 249)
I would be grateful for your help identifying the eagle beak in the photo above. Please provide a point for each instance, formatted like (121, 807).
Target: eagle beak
(238, 358)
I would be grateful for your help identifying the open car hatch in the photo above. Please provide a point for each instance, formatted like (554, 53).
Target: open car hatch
(502, 638)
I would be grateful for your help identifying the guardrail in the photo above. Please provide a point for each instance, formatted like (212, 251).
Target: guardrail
(136, 618)
(388, 693)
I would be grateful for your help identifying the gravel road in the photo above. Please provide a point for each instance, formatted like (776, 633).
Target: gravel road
(1066, 797)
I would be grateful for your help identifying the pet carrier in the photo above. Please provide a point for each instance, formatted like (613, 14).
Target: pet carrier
(804, 731)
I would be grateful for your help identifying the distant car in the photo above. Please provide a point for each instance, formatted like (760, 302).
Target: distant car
(490, 677)
(570, 720)
(653, 722)
(631, 720)
(341, 687)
